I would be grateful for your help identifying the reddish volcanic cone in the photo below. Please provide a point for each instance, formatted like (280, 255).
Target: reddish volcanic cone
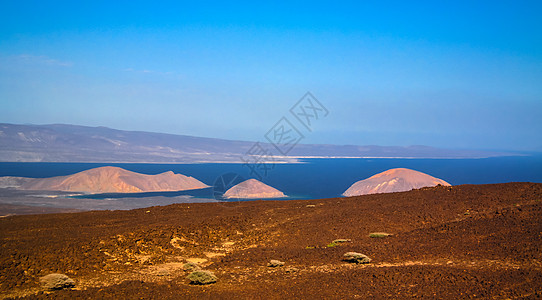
(393, 180)
(252, 188)
(115, 180)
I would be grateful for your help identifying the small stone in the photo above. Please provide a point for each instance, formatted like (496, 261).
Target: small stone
(56, 281)
(275, 263)
(355, 257)
(291, 270)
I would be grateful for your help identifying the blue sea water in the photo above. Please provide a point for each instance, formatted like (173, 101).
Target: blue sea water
(313, 178)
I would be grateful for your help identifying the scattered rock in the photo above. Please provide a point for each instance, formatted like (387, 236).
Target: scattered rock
(175, 243)
(338, 241)
(291, 270)
(275, 263)
(201, 277)
(56, 281)
(311, 205)
(379, 234)
(355, 257)
(144, 259)
(191, 266)
(228, 244)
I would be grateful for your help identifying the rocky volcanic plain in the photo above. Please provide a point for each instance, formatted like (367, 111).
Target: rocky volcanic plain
(456, 242)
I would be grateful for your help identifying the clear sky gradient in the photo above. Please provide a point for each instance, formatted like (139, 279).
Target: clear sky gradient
(454, 74)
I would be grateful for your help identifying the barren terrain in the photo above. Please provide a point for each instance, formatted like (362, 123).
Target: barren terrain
(464, 241)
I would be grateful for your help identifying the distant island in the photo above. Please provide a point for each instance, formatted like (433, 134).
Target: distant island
(393, 180)
(107, 180)
(251, 189)
(71, 143)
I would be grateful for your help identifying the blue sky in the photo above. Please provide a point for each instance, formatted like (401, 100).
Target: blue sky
(454, 74)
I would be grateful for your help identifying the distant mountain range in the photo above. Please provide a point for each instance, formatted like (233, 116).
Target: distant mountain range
(71, 143)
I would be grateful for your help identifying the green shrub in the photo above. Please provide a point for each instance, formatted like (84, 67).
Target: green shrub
(190, 266)
(338, 241)
(201, 277)
(379, 235)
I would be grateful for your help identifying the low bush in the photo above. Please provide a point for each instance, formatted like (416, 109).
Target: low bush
(202, 277)
(379, 235)
(190, 266)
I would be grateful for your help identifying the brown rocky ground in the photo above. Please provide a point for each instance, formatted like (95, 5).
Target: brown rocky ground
(7, 210)
(461, 242)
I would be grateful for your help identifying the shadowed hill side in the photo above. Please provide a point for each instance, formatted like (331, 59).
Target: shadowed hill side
(114, 180)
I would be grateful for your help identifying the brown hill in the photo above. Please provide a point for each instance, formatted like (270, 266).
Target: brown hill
(393, 180)
(114, 180)
(252, 188)
(460, 242)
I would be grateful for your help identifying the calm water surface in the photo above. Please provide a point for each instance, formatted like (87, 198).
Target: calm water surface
(314, 178)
